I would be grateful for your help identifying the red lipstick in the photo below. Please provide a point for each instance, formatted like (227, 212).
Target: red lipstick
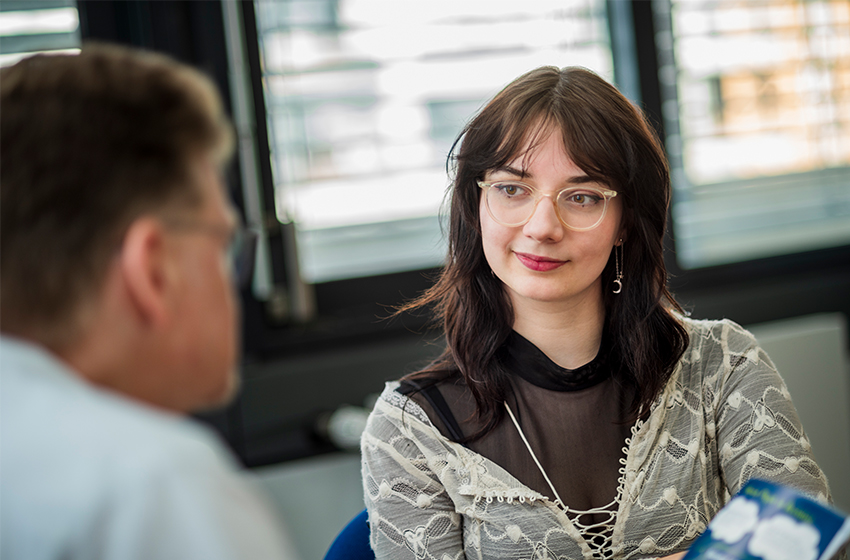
(538, 264)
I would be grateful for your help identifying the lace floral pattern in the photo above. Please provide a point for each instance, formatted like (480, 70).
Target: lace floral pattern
(725, 416)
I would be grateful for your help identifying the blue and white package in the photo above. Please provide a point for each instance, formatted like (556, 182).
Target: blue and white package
(767, 521)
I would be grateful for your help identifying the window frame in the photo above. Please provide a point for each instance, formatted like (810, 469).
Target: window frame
(751, 291)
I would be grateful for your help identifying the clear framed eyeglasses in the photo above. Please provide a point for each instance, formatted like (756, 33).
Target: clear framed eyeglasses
(241, 245)
(512, 203)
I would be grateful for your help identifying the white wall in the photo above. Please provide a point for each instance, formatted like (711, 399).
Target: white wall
(315, 497)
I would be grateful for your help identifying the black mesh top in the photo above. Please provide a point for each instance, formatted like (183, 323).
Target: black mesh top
(574, 420)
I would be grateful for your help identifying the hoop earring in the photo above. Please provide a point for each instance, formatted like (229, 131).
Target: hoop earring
(618, 257)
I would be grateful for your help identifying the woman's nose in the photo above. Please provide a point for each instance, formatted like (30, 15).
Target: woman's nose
(544, 224)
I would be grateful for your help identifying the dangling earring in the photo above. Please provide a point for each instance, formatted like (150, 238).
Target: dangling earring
(618, 257)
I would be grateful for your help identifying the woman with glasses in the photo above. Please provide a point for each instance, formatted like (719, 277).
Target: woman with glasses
(576, 412)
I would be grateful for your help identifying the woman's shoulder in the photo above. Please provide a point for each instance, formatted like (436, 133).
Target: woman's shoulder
(718, 349)
(396, 395)
(416, 396)
(718, 332)
(416, 382)
(444, 398)
(403, 423)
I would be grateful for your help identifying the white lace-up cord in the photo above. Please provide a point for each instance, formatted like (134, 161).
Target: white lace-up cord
(533, 456)
(574, 515)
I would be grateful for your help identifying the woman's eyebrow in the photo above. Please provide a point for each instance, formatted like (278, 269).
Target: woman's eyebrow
(577, 180)
(513, 171)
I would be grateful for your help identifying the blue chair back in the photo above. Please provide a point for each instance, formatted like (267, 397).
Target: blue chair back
(352, 543)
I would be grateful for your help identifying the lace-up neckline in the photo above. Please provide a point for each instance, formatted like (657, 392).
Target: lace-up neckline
(574, 421)
(598, 531)
(596, 524)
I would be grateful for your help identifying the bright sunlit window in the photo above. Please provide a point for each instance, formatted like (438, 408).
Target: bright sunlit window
(758, 103)
(364, 98)
(31, 26)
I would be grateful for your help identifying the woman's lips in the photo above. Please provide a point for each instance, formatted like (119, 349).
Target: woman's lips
(538, 264)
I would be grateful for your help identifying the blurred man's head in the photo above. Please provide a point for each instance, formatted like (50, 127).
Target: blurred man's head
(114, 225)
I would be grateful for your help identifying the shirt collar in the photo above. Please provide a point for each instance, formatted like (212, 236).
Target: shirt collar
(525, 360)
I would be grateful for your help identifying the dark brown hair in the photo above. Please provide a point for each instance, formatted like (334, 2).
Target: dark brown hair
(88, 143)
(610, 140)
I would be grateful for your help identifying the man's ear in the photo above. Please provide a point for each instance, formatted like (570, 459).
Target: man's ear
(145, 270)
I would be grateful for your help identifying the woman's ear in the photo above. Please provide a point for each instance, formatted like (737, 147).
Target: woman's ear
(144, 266)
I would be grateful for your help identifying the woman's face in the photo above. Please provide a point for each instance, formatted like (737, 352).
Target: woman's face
(543, 261)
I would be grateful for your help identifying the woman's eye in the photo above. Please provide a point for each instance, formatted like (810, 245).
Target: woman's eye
(511, 189)
(583, 199)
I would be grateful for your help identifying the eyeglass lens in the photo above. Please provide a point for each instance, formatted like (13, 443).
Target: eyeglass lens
(242, 252)
(514, 204)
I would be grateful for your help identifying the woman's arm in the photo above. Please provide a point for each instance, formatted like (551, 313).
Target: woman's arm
(410, 513)
(759, 434)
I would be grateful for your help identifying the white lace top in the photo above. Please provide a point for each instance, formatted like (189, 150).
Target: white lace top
(725, 416)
